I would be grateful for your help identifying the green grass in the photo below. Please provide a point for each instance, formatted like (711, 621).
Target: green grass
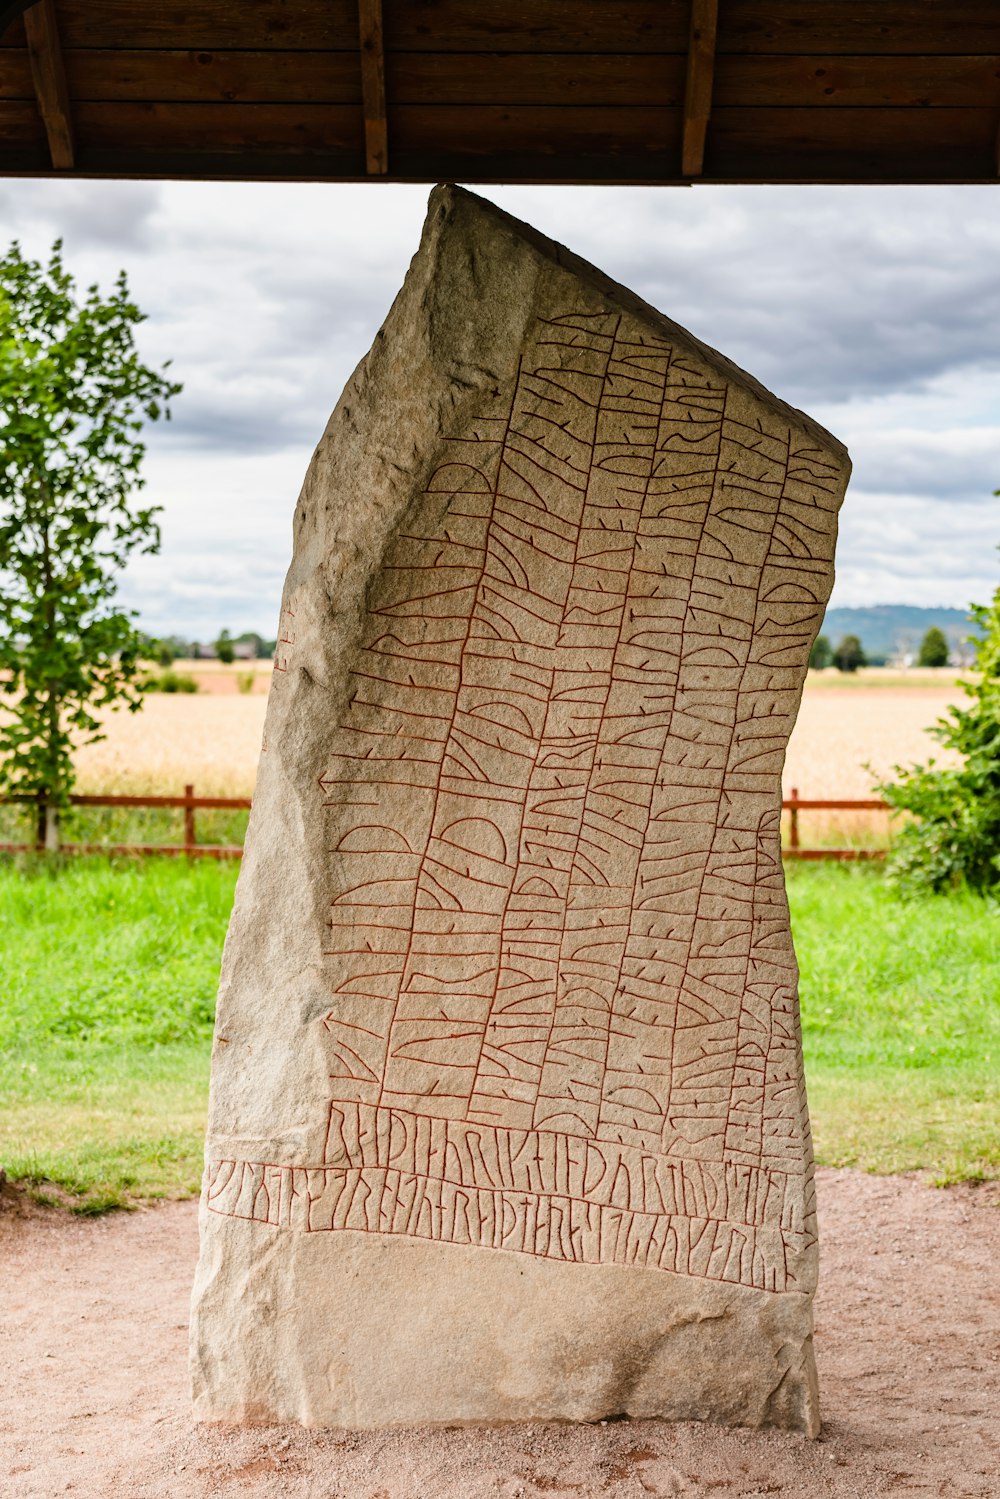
(117, 825)
(901, 1023)
(110, 971)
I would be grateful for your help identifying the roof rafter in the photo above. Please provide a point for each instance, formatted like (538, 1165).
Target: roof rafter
(373, 87)
(698, 88)
(49, 75)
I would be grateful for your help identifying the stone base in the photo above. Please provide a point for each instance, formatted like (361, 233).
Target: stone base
(364, 1330)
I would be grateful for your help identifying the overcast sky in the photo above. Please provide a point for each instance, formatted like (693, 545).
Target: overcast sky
(875, 309)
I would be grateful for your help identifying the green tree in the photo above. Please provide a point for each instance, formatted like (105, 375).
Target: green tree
(821, 654)
(849, 654)
(73, 397)
(225, 649)
(953, 832)
(933, 648)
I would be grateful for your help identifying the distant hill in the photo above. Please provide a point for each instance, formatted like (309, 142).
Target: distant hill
(894, 630)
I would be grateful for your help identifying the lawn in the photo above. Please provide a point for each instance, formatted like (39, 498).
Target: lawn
(110, 974)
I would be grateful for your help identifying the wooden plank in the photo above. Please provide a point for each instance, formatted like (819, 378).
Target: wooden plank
(490, 78)
(21, 128)
(801, 804)
(940, 165)
(548, 78)
(282, 129)
(373, 87)
(793, 131)
(278, 25)
(627, 168)
(189, 76)
(807, 27)
(427, 26)
(792, 27)
(769, 27)
(698, 85)
(15, 74)
(464, 132)
(831, 82)
(467, 132)
(852, 145)
(42, 31)
(537, 25)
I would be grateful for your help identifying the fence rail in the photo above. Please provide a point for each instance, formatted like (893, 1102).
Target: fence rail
(188, 803)
(192, 849)
(795, 804)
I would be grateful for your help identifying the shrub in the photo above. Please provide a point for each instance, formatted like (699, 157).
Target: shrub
(170, 681)
(245, 680)
(954, 834)
(933, 648)
(849, 654)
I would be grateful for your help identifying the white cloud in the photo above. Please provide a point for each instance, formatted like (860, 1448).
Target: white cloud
(877, 309)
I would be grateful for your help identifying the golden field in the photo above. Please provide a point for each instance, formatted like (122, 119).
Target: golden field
(212, 738)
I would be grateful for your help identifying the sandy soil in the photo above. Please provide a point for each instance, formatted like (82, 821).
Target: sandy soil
(93, 1399)
(842, 731)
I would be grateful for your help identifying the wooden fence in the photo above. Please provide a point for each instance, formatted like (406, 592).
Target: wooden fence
(795, 804)
(192, 849)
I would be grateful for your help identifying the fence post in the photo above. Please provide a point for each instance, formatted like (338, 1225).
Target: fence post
(189, 838)
(793, 830)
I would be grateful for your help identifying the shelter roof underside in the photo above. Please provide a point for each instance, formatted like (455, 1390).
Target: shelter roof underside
(648, 91)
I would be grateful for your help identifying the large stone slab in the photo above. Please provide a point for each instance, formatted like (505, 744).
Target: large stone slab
(507, 1114)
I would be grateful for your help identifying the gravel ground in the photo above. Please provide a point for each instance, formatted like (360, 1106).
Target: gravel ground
(93, 1398)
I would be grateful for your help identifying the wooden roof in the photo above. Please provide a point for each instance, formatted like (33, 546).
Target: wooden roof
(615, 91)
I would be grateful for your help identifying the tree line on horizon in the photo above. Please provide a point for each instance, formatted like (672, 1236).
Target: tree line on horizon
(164, 650)
(849, 654)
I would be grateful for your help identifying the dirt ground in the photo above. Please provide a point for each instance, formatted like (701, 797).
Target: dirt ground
(93, 1391)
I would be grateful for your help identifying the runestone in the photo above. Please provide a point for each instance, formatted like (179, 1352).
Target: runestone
(507, 1113)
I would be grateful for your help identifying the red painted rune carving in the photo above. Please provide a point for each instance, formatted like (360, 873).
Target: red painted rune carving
(563, 1017)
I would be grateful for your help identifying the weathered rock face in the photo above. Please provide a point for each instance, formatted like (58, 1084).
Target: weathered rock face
(507, 1112)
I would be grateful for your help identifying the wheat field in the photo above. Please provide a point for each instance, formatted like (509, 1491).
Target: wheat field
(209, 740)
(212, 739)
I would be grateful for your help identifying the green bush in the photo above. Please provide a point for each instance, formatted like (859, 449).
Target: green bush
(170, 681)
(849, 654)
(954, 831)
(933, 648)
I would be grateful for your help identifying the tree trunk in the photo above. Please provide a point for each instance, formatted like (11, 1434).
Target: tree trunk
(47, 826)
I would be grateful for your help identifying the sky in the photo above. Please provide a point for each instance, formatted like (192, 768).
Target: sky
(875, 309)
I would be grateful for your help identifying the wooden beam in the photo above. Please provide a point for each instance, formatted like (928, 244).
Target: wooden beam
(698, 90)
(49, 76)
(373, 87)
